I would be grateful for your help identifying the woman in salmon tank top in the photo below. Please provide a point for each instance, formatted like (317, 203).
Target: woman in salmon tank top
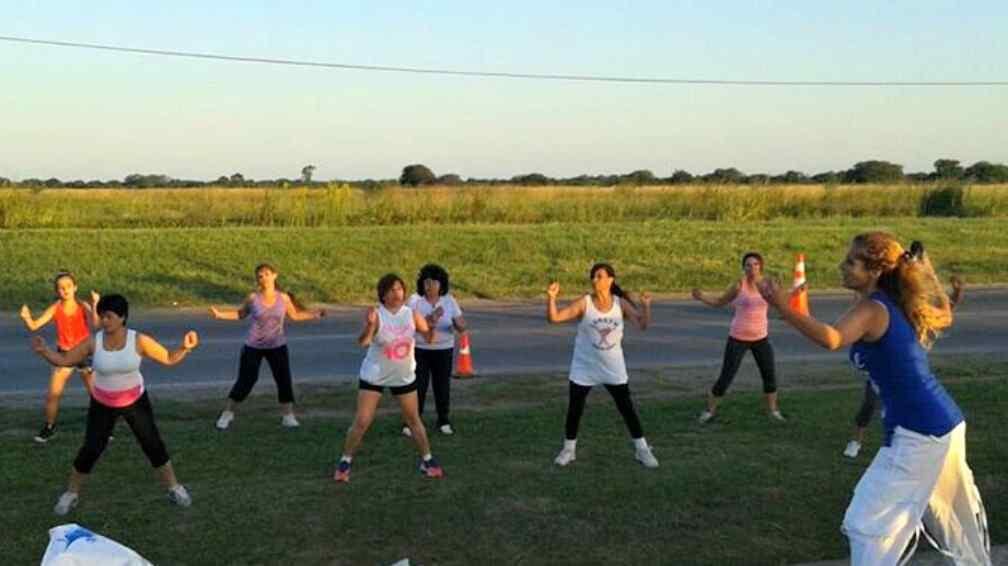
(268, 308)
(598, 355)
(919, 485)
(118, 391)
(73, 319)
(748, 333)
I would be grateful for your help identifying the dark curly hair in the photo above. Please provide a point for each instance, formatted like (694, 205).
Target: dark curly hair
(386, 282)
(435, 272)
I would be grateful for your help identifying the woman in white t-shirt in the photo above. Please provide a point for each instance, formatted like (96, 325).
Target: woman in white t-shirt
(388, 335)
(598, 354)
(434, 360)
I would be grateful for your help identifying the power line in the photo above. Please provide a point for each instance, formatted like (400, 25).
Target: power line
(494, 74)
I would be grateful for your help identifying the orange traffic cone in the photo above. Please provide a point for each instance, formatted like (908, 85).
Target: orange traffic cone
(799, 290)
(463, 361)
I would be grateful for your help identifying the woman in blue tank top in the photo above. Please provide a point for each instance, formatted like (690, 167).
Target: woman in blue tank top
(919, 482)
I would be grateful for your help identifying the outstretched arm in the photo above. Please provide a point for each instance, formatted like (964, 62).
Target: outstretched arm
(573, 311)
(232, 314)
(76, 355)
(297, 314)
(728, 296)
(33, 324)
(958, 286)
(642, 317)
(151, 348)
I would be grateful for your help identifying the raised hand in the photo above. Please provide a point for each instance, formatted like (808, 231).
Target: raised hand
(95, 297)
(25, 312)
(646, 299)
(553, 290)
(190, 340)
(772, 292)
(214, 312)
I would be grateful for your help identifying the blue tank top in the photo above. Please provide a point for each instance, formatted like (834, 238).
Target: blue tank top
(899, 371)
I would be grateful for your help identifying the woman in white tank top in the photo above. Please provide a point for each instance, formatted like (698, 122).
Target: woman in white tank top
(118, 391)
(388, 335)
(598, 354)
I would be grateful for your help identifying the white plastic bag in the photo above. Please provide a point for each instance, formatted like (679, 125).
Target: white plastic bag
(73, 545)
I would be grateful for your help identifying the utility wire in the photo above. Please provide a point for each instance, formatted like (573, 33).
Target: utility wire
(493, 74)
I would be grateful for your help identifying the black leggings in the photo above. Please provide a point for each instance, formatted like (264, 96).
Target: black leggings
(101, 420)
(733, 353)
(864, 414)
(620, 394)
(248, 372)
(434, 367)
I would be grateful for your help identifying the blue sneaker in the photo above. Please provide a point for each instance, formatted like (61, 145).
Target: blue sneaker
(342, 472)
(431, 469)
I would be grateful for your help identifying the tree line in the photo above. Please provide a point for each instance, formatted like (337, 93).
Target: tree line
(872, 171)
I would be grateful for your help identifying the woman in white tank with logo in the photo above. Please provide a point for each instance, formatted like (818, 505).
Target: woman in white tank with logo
(598, 355)
(388, 335)
(118, 391)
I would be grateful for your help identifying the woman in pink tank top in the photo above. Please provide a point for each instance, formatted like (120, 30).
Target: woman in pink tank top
(748, 332)
(73, 319)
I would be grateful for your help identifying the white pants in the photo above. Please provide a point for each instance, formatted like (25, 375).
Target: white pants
(918, 486)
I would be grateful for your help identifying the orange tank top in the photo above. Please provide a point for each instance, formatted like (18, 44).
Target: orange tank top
(750, 320)
(71, 329)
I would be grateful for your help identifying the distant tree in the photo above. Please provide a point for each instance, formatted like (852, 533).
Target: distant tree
(792, 178)
(875, 171)
(758, 179)
(681, 176)
(531, 179)
(306, 173)
(146, 181)
(5, 182)
(828, 177)
(640, 177)
(223, 180)
(53, 182)
(948, 169)
(449, 179)
(985, 172)
(416, 175)
(237, 179)
(729, 175)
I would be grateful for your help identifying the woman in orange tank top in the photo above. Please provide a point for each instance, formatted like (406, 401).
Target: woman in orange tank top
(74, 320)
(748, 333)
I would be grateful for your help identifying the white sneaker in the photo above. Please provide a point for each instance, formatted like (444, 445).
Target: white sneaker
(564, 457)
(65, 503)
(224, 420)
(853, 447)
(777, 416)
(290, 421)
(646, 457)
(447, 429)
(179, 496)
(705, 417)
(407, 432)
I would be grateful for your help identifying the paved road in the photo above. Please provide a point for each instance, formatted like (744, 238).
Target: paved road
(507, 339)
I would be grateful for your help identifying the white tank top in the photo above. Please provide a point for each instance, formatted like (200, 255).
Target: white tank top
(117, 379)
(598, 347)
(389, 360)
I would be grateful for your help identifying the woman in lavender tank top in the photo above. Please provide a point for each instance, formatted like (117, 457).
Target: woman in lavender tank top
(748, 333)
(268, 308)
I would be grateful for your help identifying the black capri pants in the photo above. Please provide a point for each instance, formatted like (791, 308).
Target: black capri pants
(434, 368)
(101, 420)
(578, 394)
(248, 372)
(733, 353)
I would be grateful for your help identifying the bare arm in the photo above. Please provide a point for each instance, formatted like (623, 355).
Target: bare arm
(370, 328)
(728, 296)
(426, 330)
(298, 315)
(232, 314)
(958, 286)
(866, 320)
(93, 307)
(75, 356)
(151, 348)
(642, 317)
(33, 324)
(573, 311)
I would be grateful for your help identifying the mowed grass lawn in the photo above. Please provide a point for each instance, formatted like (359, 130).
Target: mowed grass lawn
(742, 490)
(163, 267)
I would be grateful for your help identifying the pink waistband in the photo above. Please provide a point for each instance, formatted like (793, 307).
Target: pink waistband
(118, 399)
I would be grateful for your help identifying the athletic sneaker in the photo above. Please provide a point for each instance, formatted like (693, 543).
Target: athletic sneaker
(290, 421)
(646, 457)
(446, 429)
(48, 431)
(224, 420)
(65, 503)
(180, 496)
(705, 417)
(777, 416)
(853, 447)
(342, 471)
(431, 469)
(564, 457)
(407, 432)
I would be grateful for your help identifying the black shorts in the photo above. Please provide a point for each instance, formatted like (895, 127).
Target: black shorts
(83, 366)
(397, 391)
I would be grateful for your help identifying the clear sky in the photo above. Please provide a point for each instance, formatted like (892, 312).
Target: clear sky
(84, 114)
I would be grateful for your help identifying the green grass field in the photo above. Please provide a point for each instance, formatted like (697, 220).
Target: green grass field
(160, 267)
(743, 490)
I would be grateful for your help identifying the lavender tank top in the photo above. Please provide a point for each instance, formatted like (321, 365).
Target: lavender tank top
(267, 330)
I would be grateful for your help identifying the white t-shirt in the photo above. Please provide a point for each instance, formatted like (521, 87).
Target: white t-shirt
(444, 336)
(598, 347)
(389, 360)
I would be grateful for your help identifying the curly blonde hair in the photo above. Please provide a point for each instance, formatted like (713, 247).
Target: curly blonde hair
(909, 279)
